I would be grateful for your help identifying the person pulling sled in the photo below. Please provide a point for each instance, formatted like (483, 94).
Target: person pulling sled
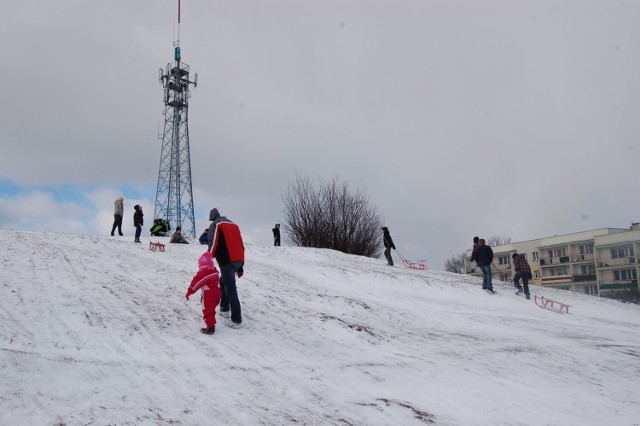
(388, 245)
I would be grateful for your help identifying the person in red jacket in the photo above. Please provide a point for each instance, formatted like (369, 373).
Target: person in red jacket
(206, 279)
(225, 244)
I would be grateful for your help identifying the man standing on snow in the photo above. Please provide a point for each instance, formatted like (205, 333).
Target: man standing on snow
(483, 256)
(523, 270)
(225, 244)
(388, 245)
(276, 235)
(118, 212)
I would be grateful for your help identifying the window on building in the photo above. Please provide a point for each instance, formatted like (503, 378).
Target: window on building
(504, 260)
(625, 275)
(590, 289)
(534, 255)
(536, 274)
(619, 252)
(586, 249)
(558, 252)
(561, 270)
(588, 269)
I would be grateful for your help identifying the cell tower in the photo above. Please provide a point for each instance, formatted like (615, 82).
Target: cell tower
(174, 195)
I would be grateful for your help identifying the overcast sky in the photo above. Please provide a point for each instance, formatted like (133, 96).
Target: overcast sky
(457, 118)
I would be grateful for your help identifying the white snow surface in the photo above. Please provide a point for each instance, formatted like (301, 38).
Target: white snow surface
(96, 330)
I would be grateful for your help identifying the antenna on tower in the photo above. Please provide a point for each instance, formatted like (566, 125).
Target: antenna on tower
(174, 194)
(176, 43)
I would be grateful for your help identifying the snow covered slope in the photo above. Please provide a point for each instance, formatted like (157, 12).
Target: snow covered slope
(96, 330)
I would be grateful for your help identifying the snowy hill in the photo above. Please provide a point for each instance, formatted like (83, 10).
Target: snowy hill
(96, 330)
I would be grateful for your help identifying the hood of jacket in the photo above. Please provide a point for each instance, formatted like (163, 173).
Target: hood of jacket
(206, 262)
(214, 214)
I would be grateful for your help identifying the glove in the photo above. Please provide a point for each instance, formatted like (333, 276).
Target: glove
(240, 272)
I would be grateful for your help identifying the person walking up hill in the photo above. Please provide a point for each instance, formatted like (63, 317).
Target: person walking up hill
(483, 257)
(225, 244)
(523, 270)
(207, 279)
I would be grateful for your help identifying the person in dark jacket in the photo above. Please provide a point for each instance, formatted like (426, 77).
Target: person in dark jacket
(476, 243)
(523, 270)
(276, 235)
(388, 245)
(204, 239)
(225, 244)
(138, 221)
(483, 256)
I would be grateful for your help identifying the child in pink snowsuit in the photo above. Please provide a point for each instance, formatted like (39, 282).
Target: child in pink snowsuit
(207, 279)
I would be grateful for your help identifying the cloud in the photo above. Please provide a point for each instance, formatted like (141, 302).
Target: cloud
(39, 211)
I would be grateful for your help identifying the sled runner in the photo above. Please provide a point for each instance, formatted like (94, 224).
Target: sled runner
(420, 264)
(552, 305)
(156, 246)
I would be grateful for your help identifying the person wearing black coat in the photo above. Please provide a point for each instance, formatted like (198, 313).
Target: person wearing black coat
(483, 255)
(138, 221)
(276, 235)
(388, 245)
(204, 239)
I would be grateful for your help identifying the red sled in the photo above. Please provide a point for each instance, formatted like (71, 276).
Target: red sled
(156, 246)
(420, 264)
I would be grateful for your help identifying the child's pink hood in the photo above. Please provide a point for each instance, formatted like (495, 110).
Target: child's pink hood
(206, 262)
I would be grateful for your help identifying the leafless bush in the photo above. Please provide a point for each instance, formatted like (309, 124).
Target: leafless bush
(456, 263)
(330, 216)
(498, 240)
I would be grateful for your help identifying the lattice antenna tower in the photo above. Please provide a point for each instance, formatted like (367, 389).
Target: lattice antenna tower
(174, 194)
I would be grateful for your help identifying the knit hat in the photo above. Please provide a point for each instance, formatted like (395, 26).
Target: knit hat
(476, 239)
(206, 262)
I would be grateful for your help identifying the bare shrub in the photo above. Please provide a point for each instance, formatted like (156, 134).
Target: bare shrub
(330, 216)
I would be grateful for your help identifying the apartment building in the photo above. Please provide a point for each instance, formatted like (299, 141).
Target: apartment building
(590, 262)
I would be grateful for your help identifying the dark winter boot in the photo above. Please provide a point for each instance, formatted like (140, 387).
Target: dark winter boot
(208, 330)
